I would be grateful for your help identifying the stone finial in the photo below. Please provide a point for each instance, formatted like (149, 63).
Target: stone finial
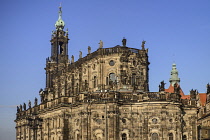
(21, 107)
(208, 88)
(80, 54)
(143, 44)
(72, 59)
(67, 32)
(101, 44)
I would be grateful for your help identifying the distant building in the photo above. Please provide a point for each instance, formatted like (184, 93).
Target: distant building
(105, 96)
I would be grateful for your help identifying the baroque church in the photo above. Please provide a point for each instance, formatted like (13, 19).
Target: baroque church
(105, 96)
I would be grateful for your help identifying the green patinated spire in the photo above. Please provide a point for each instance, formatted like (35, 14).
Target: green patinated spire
(59, 23)
(174, 75)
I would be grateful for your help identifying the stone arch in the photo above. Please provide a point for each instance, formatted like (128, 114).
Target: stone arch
(124, 135)
(154, 136)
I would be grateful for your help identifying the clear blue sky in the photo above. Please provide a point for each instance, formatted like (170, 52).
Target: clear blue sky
(176, 31)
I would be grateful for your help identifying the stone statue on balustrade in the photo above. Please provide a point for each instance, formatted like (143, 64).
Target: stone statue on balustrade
(29, 104)
(208, 88)
(162, 86)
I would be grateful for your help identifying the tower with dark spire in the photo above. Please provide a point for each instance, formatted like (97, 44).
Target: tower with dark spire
(59, 41)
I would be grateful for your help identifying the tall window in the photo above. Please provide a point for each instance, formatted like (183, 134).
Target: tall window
(77, 88)
(170, 136)
(124, 136)
(86, 85)
(133, 79)
(94, 82)
(107, 81)
(60, 47)
(154, 136)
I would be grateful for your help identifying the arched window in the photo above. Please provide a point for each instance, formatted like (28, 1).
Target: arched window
(170, 136)
(184, 137)
(124, 136)
(154, 136)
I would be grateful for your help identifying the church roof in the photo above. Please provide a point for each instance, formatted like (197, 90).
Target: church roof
(171, 90)
(202, 97)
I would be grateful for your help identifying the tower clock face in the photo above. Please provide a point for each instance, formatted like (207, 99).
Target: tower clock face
(111, 62)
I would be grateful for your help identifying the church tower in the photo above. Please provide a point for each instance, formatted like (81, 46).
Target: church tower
(57, 63)
(59, 41)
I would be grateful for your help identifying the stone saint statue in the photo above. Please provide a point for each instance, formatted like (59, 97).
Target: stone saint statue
(18, 109)
(72, 59)
(35, 102)
(101, 44)
(80, 54)
(143, 44)
(24, 106)
(193, 94)
(29, 104)
(124, 42)
(89, 49)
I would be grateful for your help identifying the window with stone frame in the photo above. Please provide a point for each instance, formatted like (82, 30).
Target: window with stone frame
(154, 136)
(170, 136)
(124, 136)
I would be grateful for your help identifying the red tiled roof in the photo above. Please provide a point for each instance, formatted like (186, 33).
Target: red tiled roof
(171, 90)
(202, 97)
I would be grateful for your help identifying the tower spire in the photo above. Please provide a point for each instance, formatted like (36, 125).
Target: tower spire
(60, 23)
(174, 75)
